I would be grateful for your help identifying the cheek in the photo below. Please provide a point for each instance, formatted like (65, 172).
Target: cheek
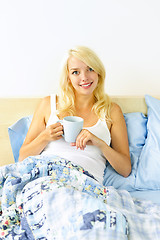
(96, 79)
(95, 76)
(73, 82)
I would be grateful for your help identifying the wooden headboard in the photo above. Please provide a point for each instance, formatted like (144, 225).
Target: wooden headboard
(12, 109)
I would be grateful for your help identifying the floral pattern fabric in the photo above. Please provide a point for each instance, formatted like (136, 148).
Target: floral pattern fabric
(51, 198)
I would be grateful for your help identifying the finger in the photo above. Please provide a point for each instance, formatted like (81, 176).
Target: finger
(85, 140)
(59, 128)
(73, 144)
(59, 137)
(78, 140)
(55, 125)
(56, 132)
(59, 133)
(53, 131)
(81, 143)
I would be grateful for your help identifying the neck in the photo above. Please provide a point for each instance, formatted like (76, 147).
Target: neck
(82, 102)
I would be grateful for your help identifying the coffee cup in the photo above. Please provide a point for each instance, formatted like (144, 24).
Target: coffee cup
(72, 125)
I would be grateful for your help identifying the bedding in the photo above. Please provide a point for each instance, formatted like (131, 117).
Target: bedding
(148, 171)
(136, 123)
(149, 195)
(50, 198)
(17, 133)
(136, 127)
(143, 135)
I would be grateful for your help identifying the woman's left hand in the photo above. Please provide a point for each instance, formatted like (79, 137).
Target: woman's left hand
(86, 138)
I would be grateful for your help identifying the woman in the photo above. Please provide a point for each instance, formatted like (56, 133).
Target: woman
(104, 136)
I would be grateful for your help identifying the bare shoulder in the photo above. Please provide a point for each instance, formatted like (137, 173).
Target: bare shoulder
(43, 109)
(116, 112)
(45, 101)
(46, 107)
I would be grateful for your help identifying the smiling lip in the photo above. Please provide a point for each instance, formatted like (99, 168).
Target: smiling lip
(86, 85)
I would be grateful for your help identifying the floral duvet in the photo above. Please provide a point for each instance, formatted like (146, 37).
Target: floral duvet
(45, 198)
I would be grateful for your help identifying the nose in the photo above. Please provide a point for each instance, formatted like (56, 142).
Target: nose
(84, 76)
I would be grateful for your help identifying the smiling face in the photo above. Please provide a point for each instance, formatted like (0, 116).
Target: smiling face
(83, 78)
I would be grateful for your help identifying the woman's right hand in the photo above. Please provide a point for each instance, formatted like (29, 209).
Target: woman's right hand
(38, 135)
(54, 131)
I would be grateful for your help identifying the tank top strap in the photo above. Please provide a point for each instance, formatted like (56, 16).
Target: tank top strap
(53, 103)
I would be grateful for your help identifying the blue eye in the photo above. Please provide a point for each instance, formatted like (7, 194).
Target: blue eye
(91, 69)
(75, 72)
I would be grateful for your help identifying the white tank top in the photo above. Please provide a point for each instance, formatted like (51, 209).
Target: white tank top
(91, 158)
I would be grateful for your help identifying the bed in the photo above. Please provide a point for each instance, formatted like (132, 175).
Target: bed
(51, 198)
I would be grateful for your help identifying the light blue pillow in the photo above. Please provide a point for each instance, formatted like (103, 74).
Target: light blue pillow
(148, 172)
(137, 131)
(17, 133)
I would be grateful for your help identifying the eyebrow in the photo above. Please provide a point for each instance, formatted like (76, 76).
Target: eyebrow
(71, 69)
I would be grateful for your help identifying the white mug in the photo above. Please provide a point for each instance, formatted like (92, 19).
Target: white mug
(72, 126)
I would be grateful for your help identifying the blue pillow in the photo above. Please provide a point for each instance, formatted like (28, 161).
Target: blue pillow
(17, 133)
(136, 123)
(148, 171)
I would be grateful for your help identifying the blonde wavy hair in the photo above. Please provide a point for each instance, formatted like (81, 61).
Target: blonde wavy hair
(66, 102)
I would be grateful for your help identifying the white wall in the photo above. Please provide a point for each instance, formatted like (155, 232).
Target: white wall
(34, 34)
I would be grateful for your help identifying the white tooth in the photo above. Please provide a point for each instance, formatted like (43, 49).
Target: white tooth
(86, 85)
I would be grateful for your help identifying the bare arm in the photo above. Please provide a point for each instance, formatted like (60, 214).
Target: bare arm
(38, 135)
(118, 155)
